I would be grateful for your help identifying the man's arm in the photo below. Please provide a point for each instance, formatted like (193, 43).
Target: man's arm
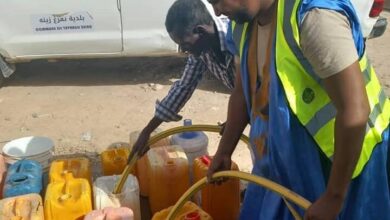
(180, 92)
(348, 94)
(237, 120)
(328, 44)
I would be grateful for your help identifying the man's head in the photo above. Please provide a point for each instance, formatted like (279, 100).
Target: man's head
(190, 25)
(239, 10)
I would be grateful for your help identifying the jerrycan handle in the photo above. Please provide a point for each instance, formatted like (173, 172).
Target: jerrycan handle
(66, 190)
(169, 161)
(69, 169)
(206, 160)
(117, 156)
(18, 179)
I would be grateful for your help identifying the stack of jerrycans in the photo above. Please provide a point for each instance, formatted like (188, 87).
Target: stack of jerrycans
(69, 194)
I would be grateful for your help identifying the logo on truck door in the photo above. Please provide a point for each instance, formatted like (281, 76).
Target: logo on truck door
(62, 23)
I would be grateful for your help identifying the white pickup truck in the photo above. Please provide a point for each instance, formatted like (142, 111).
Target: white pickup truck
(61, 29)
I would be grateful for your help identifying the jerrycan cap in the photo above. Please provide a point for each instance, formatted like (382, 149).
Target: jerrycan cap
(188, 134)
(192, 216)
(206, 160)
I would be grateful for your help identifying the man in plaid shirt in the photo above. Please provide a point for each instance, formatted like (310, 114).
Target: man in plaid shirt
(193, 25)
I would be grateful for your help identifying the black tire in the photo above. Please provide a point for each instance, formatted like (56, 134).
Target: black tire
(2, 80)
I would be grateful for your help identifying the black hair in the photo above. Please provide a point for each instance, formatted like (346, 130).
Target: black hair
(184, 15)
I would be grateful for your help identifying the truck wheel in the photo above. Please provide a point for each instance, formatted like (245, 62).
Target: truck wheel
(2, 80)
(6, 70)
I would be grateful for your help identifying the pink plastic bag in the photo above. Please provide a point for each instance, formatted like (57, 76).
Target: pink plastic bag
(3, 173)
(109, 213)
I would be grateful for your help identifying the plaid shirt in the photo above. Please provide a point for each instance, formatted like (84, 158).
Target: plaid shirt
(182, 90)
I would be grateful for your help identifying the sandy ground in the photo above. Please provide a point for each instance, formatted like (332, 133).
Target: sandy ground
(86, 105)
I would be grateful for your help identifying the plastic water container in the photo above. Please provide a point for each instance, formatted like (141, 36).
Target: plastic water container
(189, 211)
(39, 149)
(69, 199)
(114, 160)
(23, 177)
(168, 176)
(194, 144)
(142, 171)
(222, 202)
(78, 167)
(129, 197)
(109, 213)
(3, 173)
(26, 207)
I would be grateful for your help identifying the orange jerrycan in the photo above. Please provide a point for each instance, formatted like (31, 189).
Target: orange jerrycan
(222, 202)
(26, 207)
(70, 199)
(78, 167)
(142, 171)
(168, 176)
(114, 160)
(189, 211)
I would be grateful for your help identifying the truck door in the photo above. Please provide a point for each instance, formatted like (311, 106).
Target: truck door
(61, 27)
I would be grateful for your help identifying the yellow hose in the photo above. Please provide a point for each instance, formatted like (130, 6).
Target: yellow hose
(285, 193)
(135, 155)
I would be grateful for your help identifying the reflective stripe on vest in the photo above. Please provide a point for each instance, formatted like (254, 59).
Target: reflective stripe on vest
(306, 97)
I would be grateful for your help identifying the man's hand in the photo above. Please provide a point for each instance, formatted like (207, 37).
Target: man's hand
(327, 207)
(237, 120)
(220, 162)
(140, 146)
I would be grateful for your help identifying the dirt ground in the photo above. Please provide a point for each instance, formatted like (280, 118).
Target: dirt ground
(86, 105)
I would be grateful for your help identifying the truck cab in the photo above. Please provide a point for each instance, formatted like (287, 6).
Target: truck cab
(62, 29)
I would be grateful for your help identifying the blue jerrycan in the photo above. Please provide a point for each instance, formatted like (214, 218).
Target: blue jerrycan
(23, 177)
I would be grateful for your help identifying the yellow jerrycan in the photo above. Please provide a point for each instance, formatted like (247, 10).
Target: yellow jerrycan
(114, 160)
(70, 199)
(78, 167)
